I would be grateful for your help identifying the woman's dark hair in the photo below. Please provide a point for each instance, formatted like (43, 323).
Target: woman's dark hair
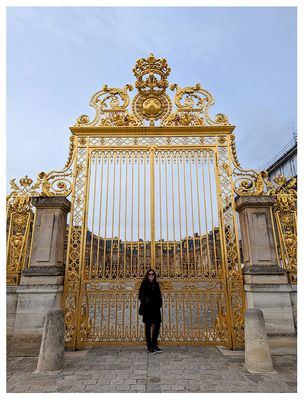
(146, 278)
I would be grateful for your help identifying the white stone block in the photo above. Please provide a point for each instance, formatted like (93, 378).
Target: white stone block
(257, 353)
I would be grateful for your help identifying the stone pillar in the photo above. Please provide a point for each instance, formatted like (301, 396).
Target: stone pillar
(51, 355)
(257, 353)
(256, 230)
(41, 285)
(265, 283)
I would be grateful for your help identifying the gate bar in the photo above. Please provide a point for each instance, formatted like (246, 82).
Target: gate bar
(152, 206)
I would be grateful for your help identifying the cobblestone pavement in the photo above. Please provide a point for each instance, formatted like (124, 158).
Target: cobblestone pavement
(131, 369)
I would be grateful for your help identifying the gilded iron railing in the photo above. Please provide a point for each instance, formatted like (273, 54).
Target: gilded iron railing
(112, 240)
(191, 314)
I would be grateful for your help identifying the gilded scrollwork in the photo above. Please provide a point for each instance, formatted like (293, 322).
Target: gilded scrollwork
(47, 184)
(53, 183)
(193, 103)
(221, 322)
(152, 103)
(110, 106)
(248, 182)
(251, 183)
(25, 189)
(119, 119)
(165, 285)
(71, 151)
(70, 314)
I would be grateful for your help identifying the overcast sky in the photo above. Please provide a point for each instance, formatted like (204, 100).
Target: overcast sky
(57, 58)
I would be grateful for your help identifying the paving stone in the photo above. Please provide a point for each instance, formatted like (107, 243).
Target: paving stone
(153, 379)
(84, 376)
(176, 388)
(192, 387)
(166, 387)
(138, 387)
(178, 369)
(64, 388)
(292, 384)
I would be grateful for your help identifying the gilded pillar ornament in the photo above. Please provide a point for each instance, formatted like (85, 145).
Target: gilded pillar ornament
(19, 229)
(286, 217)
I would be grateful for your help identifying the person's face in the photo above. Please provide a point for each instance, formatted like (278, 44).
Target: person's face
(151, 276)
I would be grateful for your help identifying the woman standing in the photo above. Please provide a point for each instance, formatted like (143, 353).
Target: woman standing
(151, 302)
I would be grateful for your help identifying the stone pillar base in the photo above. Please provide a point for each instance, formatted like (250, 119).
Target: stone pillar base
(267, 288)
(11, 307)
(40, 290)
(293, 296)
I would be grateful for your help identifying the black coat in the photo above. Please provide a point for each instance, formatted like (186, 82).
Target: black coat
(150, 298)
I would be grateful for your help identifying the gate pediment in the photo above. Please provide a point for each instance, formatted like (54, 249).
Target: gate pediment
(151, 105)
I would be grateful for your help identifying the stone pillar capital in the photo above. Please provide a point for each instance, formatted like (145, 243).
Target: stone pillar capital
(263, 270)
(54, 202)
(243, 202)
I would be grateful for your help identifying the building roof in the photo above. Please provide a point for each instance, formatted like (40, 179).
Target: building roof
(284, 154)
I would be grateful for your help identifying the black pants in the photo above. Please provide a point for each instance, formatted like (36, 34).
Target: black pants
(155, 331)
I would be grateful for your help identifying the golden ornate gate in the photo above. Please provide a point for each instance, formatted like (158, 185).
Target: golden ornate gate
(152, 189)
(157, 196)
